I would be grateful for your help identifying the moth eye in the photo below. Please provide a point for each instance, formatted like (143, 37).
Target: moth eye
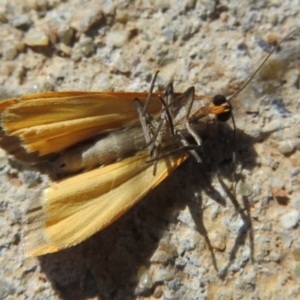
(225, 116)
(219, 100)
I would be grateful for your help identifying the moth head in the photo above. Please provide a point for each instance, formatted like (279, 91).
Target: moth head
(222, 108)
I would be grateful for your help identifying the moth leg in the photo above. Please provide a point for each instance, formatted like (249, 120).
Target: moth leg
(146, 121)
(174, 151)
(185, 143)
(190, 95)
(146, 105)
(169, 99)
(170, 112)
(150, 126)
(153, 129)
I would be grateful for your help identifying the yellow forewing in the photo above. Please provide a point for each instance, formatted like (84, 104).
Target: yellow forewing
(51, 122)
(75, 208)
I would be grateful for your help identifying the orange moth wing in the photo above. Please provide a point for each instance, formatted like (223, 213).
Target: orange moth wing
(51, 122)
(75, 208)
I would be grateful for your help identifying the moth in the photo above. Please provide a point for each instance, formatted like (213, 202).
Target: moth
(107, 151)
(95, 143)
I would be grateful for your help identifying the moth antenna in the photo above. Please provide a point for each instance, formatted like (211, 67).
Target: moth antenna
(241, 89)
(262, 63)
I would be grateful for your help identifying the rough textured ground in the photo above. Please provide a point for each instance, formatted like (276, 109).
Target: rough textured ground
(190, 238)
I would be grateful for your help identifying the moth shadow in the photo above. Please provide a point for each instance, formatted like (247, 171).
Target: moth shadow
(221, 168)
(107, 264)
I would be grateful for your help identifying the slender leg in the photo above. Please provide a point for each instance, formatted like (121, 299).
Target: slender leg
(153, 129)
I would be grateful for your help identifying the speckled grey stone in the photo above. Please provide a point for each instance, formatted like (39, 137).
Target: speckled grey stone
(210, 46)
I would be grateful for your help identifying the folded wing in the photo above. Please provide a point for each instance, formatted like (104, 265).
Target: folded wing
(51, 122)
(77, 207)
